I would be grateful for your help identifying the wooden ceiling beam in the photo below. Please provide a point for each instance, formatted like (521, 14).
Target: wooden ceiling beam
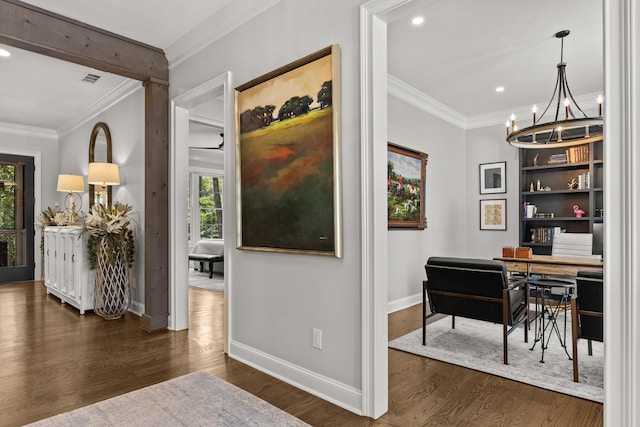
(31, 28)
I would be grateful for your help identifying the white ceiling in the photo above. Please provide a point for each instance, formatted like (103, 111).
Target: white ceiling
(462, 52)
(466, 48)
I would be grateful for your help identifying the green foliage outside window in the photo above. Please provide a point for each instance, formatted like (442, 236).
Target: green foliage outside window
(7, 213)
(210, 202)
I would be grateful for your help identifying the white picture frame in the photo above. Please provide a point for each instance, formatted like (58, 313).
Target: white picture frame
(493, 178)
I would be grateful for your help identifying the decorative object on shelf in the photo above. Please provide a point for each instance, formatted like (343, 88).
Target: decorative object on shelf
(111, 253)
(579, 212)
(559, 132)
(406, 171)
(538, 186)
(600, 213)
(288, 166)
(493, 178)
(100, 152)
(493, 214)
(535, 159)
(71, 184)
(573, 184)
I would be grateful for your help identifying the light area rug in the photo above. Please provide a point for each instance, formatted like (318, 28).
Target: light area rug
(196, 399)
(478, 345)
(201, 280)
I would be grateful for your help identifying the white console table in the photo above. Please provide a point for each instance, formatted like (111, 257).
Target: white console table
(66, 267)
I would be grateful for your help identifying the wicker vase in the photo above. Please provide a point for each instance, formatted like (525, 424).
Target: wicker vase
(112, 293)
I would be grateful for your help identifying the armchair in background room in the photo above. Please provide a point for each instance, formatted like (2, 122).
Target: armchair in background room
(475, 289)
(587, 313)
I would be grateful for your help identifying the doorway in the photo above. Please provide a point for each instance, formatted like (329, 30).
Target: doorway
(182, 111)
(16, 218)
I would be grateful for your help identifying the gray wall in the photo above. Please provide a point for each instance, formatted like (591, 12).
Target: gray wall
(488, 145)
(126, 124)
(446, 191)
(276, 303)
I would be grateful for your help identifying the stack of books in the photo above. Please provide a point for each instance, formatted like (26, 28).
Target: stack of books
(544, 234)
(559, 158)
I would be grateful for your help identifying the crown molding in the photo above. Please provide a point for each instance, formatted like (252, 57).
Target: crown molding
(229, 17)
(207, 121)
(120, 92)
(16, 129)
(413, 96)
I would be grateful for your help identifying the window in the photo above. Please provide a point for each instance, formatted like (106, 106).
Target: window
(207, 224)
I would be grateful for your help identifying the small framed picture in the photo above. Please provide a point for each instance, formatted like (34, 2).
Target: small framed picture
(493, 178)
(493, 214)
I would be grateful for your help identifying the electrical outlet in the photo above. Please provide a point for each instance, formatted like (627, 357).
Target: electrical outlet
(317, 338)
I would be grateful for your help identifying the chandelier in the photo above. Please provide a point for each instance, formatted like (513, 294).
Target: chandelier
(574, 129)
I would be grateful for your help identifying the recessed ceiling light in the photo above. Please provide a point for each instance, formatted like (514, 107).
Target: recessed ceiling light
(500, 89)
(4, 52)
(418, 20)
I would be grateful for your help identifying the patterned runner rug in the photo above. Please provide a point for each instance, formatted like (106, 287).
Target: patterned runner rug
(196, 399)
(478, 345)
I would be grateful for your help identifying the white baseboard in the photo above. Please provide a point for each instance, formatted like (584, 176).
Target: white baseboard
(137, 308)
(345, 396)
(402, 303)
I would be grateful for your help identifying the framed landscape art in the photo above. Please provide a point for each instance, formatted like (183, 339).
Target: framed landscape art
(406, 170)
(493, 178)
(288, 158)
(493, 214)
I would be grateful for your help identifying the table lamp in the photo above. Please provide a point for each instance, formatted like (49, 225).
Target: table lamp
(103, 174)
(71, 184)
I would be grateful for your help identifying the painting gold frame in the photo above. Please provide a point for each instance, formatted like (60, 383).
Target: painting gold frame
(406, 196)
(288, 176)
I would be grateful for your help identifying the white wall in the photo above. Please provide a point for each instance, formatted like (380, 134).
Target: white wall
(488, 145)
(126, 124)
(446, 199)
(276, 303)
(36, 142)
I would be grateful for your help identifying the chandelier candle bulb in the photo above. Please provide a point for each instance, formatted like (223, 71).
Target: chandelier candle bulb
(566, 108)
(507, 126)
(559, 133)
(513, 122)
(600, 99)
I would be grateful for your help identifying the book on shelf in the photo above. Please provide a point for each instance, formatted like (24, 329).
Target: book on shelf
(544, 234)
(558, 158)
(579, 154)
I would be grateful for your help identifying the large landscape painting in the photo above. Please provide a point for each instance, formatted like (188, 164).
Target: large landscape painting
(287, 123)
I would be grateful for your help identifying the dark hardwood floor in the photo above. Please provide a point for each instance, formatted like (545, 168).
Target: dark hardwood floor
(53, 360)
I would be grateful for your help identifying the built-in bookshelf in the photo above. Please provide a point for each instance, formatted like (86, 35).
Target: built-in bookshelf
(552, 182)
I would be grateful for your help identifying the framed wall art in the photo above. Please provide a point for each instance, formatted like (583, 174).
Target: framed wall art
(493, 178)
(288, 158)
(493, 214)
(406, 170)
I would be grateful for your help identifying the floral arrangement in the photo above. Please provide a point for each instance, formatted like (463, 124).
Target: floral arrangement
(51, 217)
(110, 227)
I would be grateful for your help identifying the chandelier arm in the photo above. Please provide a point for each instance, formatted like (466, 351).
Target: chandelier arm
(574, 100)
(555, 89)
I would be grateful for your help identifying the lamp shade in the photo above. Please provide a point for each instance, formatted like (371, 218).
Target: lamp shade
(71, 183)
(103, 174)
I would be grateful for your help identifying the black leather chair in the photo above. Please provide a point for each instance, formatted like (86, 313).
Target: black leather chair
(587, 313)
(476, 289)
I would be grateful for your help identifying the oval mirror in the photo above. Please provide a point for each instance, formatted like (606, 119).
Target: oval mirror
(100, 151)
